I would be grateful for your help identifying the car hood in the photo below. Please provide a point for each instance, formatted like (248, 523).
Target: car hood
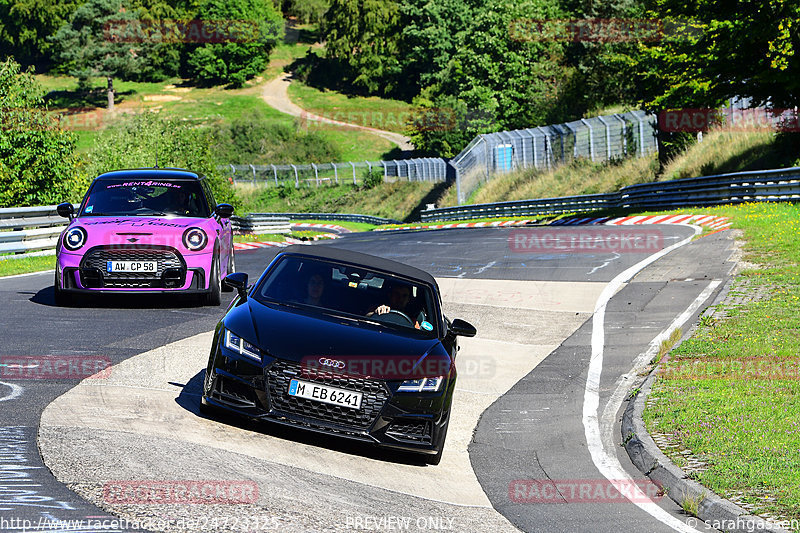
(164, 231)
(306, 337)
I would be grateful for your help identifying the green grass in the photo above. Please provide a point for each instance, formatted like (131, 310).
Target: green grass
(389, 200)
(209, 106)
(731, 393)
(372, 112)
(25, 265)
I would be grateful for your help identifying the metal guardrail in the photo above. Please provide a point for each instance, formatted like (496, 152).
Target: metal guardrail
(735, 188)
(368, 219)
(29, 230)
(258, 223)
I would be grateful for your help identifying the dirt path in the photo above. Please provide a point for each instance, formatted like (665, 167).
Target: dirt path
(275, 94)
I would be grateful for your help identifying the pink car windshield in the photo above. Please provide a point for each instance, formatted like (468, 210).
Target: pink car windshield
(127, 197)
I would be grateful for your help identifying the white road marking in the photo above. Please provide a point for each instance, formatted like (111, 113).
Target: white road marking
(605, 459)
(608, 262)
(485, 267)
(16, 392)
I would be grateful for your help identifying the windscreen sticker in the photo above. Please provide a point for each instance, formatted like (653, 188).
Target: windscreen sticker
(427, 326)
(144, 184)
(89, 208)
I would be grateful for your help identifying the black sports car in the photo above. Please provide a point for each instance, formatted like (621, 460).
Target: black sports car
(341, 343)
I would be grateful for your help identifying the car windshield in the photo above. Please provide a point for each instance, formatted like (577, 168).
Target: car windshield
(129, 197)
(369, 296)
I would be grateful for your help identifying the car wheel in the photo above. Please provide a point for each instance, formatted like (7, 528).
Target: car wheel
(214, 295)
(231, 270)
(62, 299)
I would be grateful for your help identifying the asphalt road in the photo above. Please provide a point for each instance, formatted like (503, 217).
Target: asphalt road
(533, 432)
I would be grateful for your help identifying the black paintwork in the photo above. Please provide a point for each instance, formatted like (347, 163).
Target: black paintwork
(378, 358)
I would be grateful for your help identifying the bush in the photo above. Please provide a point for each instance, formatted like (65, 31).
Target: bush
(254, 26)
(146, 140)
(37, 163)
(256, 139)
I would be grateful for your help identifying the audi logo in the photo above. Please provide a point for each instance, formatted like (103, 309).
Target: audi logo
(333, 363)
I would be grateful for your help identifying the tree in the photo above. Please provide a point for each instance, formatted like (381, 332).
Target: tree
(144, 139)
(248, 29)
(496, 79)
(26, 24)
(96, 42)
(430, 37)
(712, 51)
(37, 164)
(363, 38)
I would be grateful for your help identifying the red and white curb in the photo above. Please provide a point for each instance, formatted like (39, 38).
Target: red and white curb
(709, 221)
(333, 227)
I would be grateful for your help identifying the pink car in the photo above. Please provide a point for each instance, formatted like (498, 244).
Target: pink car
(145, 230)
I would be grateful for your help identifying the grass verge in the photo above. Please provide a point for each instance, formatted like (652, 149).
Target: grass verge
(730, 394)
(25, 265)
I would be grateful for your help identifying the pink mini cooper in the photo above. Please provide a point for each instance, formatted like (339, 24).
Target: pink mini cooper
(145, 230)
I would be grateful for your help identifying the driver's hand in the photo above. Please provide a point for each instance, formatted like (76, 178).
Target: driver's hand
(383, 309)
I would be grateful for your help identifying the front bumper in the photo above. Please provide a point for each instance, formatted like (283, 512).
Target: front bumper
(86, 272)
(405, 421)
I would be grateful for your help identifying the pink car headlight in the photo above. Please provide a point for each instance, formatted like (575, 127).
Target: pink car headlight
(195, 239)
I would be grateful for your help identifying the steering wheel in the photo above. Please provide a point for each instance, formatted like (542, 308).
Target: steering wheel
(395, 317)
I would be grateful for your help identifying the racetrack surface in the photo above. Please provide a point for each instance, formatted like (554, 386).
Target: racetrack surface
(518, 402)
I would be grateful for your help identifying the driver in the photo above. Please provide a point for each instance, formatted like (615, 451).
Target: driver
(399, 300)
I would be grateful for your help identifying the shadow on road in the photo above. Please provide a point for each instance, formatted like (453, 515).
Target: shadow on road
(189, 399)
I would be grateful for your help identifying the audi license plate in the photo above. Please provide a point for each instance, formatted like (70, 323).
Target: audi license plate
(131, 266)
(325, 394)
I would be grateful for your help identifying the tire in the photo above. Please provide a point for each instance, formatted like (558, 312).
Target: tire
(214, 295)
(62, 299)
(231, 270)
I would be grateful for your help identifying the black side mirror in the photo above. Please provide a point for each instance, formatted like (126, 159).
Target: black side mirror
(238, 281)
(462, 328)
(65, 210)
(224, 210)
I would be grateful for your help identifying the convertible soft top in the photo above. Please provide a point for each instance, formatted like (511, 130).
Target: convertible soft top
(357, 258)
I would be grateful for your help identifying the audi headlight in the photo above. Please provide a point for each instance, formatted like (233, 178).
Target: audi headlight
(422, 385)
(74, 238)
(195, 239)
(241, 346)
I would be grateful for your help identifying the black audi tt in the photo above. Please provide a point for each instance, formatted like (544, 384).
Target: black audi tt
(340, 343)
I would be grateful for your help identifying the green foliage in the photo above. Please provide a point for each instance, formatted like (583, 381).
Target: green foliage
(363, 40)
(37, 166)
(146, 139)
(712, 51)
(432, 33)
(257, 139)
(495, 81)
(92, 42)
(372, 178)
(308, 11)
(26, 24)
(255, 27)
